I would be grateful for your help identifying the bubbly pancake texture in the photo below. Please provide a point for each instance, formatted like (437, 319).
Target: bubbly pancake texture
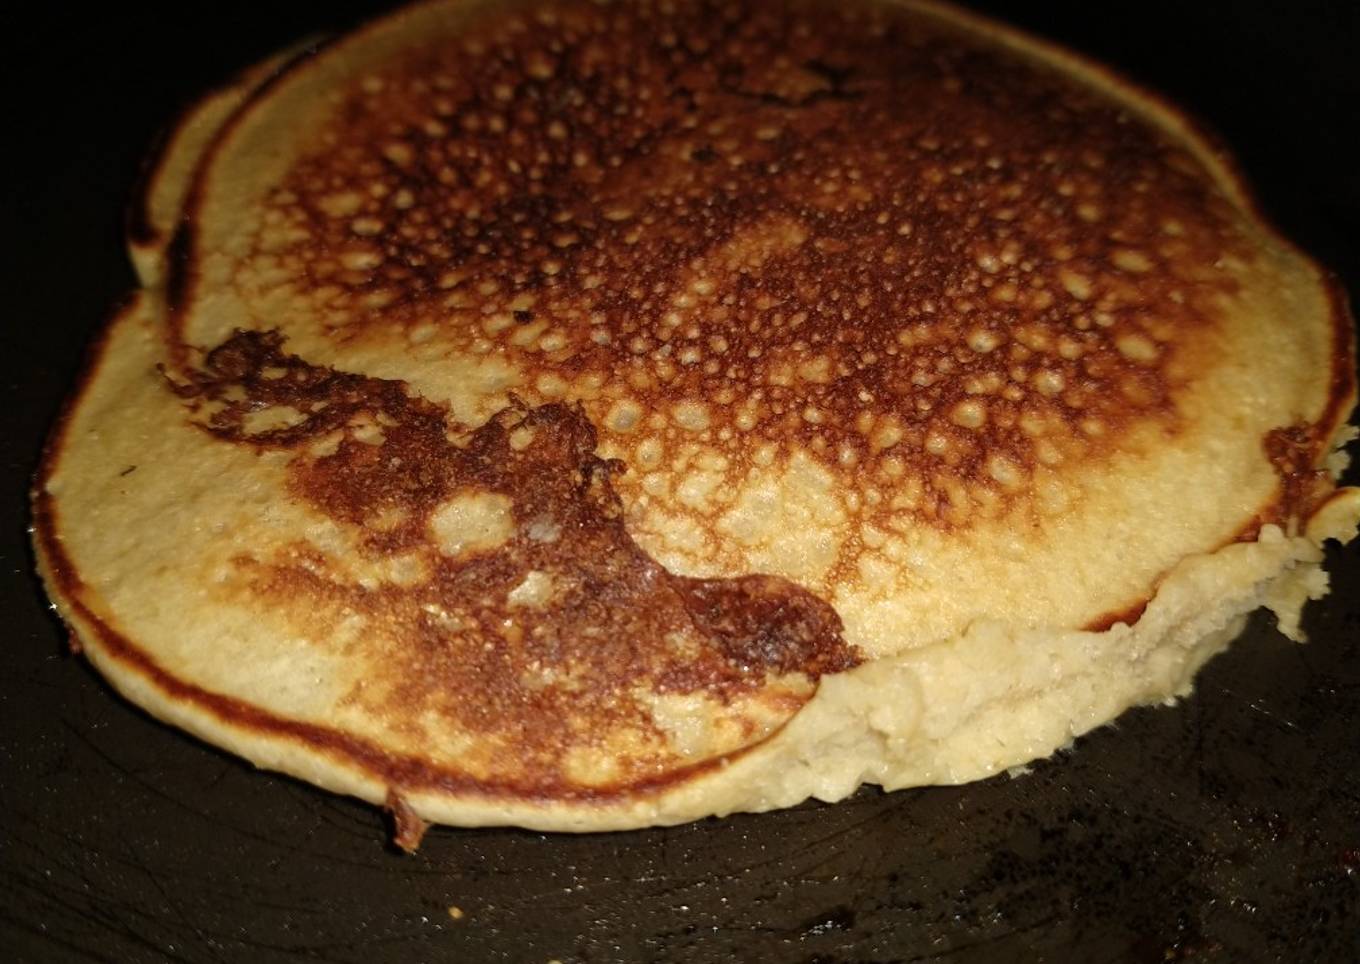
(591, 415)
(509, 575)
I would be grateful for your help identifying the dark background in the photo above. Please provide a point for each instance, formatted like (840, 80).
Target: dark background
(1226, 829)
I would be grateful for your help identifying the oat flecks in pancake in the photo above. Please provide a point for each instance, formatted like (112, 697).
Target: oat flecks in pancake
(851, 232)
(516, 613)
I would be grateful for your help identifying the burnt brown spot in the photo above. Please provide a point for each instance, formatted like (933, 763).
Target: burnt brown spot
(1295, 452)
(408, 828)
(754, 621)
(548, 641)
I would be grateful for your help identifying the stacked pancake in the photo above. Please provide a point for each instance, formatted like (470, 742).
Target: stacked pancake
(588, 416)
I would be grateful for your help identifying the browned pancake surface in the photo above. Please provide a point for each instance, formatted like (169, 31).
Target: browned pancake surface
(546, 399)
(839, 229)
(521, 614)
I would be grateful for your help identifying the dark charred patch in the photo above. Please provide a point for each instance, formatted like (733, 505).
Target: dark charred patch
(249, 374)
(755, 622)
(1295, 452)
(542, 644)
(1298, 451)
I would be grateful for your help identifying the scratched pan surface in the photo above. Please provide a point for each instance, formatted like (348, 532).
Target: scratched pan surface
(1228, 828)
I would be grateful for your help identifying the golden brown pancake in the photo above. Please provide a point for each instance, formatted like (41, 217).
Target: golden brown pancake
(158, 201)
(591, 416)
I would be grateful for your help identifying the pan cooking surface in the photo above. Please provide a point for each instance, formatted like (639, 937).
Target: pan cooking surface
(1225, 829)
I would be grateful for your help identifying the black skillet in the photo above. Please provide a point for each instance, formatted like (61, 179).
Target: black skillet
(1225, 829)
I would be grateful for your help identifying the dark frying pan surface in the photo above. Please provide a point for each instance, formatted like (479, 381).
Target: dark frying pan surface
(1225, 829)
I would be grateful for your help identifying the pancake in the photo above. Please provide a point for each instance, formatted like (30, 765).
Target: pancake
(586, 417)
(158, 201)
